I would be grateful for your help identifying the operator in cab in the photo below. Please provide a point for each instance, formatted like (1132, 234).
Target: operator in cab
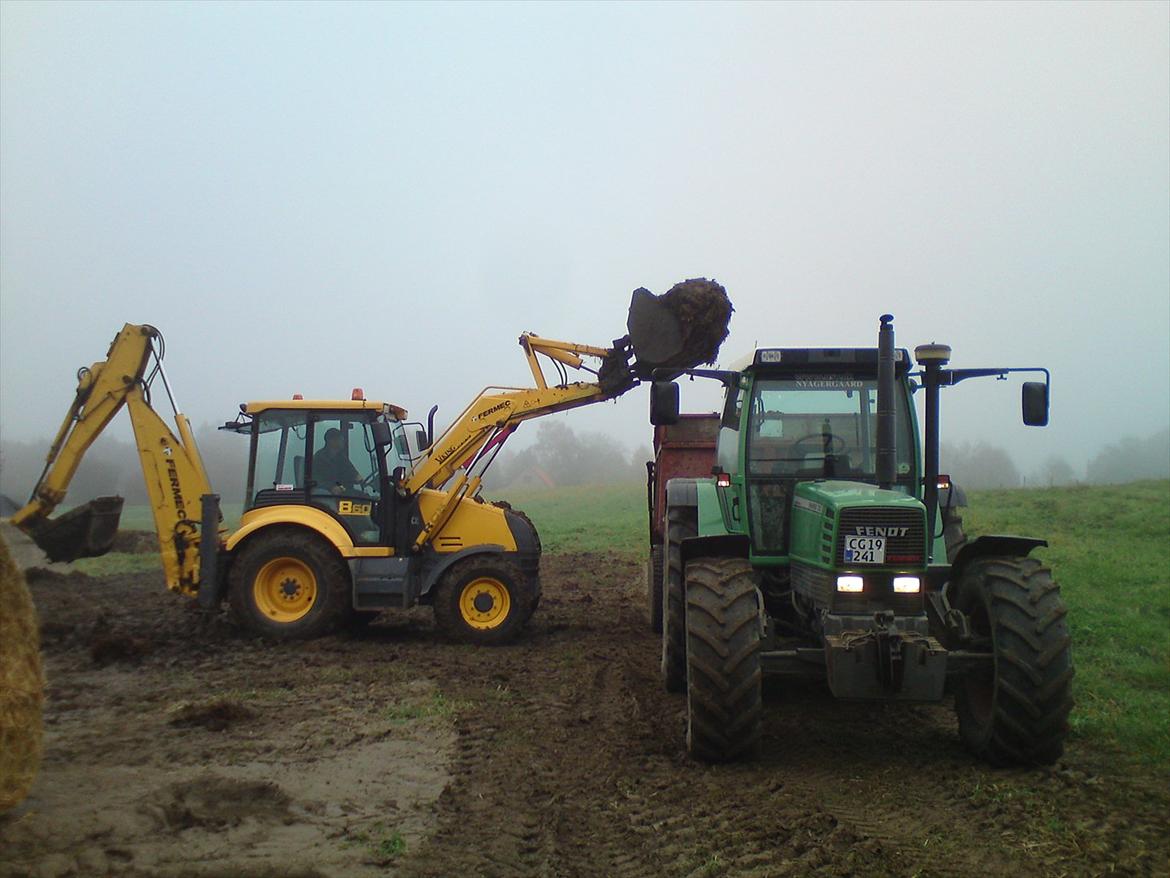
(332, 470)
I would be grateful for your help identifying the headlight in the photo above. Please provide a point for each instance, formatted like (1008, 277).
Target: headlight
(850, 584)
(907, 585)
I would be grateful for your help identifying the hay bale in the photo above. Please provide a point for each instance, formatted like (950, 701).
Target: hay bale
(21, 685)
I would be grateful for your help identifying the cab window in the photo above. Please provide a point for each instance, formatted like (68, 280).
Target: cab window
(278, 465)
(344, 458)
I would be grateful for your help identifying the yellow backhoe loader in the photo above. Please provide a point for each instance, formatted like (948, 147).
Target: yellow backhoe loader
(348, 508)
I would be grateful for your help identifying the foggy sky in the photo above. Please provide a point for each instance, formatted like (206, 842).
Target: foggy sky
(307, 198)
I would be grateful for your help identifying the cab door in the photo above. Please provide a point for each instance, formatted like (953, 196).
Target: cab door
(345, 475)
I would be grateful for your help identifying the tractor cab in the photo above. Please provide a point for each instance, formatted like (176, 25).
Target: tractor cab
(341, 457)
(803, 415)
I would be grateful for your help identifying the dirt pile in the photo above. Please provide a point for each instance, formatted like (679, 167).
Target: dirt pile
(21, 685)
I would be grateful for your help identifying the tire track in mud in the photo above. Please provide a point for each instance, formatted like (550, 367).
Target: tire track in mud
(581, 772)
(571, 763)
(561, 753)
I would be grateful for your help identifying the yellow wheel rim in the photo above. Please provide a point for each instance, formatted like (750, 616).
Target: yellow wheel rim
(285, 589)
(485, 603)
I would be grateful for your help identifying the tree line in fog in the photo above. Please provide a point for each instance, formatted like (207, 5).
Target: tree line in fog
(560, 456)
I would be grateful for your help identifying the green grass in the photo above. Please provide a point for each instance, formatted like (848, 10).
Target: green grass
(116, 563)
(436, 705)
(589, 518)
(1108, 549)
(140, 517)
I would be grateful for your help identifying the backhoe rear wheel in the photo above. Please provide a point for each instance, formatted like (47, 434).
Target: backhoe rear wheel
(484, 600)
(682, 523)
(289, 585)
(724, 692)
(1016, 713)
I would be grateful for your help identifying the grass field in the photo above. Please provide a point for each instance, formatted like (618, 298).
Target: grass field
(1107, 547)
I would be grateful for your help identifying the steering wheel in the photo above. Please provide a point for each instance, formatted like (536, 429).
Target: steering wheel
(837, 445)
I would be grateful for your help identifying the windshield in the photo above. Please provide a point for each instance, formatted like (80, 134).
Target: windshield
(822, 426)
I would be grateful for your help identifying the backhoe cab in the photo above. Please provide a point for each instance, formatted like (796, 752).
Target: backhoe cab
(825, 544)
(346, 511)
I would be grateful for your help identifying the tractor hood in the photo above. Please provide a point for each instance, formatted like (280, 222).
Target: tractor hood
(828, 516)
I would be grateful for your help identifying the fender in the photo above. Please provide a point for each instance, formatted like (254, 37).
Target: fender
(432, 567)
(682, 492)
(309, 518)
(722, 545)
(987, 546)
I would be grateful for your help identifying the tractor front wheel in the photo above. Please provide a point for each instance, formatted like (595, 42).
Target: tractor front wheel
(682, 523)
(483, 600)
(1016, 711)
(289, 585)
(724, 697)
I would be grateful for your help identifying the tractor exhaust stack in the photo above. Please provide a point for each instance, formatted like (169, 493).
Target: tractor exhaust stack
(886, 435)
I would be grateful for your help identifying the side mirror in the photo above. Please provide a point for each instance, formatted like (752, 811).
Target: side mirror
(1034, 399)
(383, 434)
(663, 403)
(421, 441)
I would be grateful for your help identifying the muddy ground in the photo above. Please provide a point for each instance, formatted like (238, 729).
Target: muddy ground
(179, 746)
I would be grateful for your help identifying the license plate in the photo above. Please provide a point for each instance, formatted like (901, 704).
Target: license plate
(865, 550)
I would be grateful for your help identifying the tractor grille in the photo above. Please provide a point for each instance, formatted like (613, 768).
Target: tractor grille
(902, 549)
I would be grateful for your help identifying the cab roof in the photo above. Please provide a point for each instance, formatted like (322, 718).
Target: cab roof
(821, 359)
(333, 405)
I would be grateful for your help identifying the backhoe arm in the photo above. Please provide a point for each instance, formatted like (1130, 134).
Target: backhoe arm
(171, 466)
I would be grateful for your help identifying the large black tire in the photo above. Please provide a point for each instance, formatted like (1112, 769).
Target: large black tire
(484, 599)
(1016, 714)
(682, 523)
(289, 584)
(654, 587)
(724, 698)
(954, 536)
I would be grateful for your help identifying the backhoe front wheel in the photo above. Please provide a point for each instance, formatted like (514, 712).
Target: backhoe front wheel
(724, 691)
(289, 585)
(483, 600)
(1016, 711)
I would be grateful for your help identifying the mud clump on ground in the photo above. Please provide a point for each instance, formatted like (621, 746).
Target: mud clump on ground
(215, 715)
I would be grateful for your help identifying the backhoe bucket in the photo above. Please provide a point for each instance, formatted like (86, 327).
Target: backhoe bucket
(84, 532)
(680, 329)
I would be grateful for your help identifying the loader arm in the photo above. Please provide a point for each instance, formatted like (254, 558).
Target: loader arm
(171, 465)
(496, 411)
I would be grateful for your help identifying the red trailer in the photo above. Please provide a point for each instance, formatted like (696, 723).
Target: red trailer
(682, 450)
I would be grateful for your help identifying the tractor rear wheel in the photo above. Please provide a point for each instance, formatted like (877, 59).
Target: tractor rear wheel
(654, 587)
(1015, 713)
(682, 523)
(289, 585)
(724, 697)
(484, 600)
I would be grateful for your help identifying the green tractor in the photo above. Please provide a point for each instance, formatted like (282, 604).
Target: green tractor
(826, 545)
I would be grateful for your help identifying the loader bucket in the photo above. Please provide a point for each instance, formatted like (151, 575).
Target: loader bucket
(84, 532)
(680, 329)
